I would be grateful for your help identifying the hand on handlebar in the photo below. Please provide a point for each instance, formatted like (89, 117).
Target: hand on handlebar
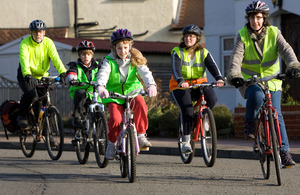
(74, 82)
(237, 82)
(220, 83)
(185, 85)
(292, 73)
(102, 91)
(152, 91)
(33, 82)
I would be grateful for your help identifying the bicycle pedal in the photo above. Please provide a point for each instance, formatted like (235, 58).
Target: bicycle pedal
(287, 167)
(144, 149)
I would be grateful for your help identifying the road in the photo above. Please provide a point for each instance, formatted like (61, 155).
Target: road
(156, 174)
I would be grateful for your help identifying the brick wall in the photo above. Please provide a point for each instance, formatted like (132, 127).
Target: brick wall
(291, 115)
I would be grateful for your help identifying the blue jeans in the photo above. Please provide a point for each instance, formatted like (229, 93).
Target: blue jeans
(255, 97)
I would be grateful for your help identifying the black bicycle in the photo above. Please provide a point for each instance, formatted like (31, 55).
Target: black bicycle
(44, 123)
(93, 131)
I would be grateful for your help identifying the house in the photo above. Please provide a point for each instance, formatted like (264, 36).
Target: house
(221, 28)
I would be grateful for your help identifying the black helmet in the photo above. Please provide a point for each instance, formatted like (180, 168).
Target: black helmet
(257, 6)
(37, 25)
(192, 29)
(84, 45)
(120, 34)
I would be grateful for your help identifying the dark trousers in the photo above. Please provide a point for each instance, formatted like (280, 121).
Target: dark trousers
(183, 99)
(29, 93)
(79, 102)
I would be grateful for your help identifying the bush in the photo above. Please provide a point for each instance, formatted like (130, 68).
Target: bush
(224, 121)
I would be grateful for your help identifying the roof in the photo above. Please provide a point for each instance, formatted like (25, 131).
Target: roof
(104, 45)
(191, 12)
(8, 35)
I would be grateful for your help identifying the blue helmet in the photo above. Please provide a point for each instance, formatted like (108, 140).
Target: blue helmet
(120, 34)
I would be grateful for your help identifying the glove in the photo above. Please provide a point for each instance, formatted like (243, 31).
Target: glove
(103, 93)
(74, 82)
(62, 77)
(151, 90)
(292, 73)
(33, 82)
(237, 82)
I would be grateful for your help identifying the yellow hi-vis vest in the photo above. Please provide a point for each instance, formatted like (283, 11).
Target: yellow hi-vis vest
(268, 65)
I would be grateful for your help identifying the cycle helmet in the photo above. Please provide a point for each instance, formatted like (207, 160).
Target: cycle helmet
(37, 25)
(192, 29)
(257, 6)
(84, 45)
(120, 34)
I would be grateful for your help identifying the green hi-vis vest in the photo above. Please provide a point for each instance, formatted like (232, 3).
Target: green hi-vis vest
(81, 77)
(198, 69)
(114, 82)
(269, 65)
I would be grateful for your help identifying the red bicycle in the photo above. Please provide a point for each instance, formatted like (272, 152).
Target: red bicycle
(204, 129)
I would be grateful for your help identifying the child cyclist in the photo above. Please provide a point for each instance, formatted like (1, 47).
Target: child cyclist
(119, 73)
(85, 69)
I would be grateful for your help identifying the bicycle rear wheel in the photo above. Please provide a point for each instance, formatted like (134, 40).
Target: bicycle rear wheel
(100, 139)
(131, 154)
(209, 141)
(185, 157)
(54, 133)
(82, 147)
(275, 144)
(28, 141)
(264, 158)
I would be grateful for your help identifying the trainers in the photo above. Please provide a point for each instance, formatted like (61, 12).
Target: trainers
(286, 159)
(22, 121)
(143, 142)
(53, 143)
(76, 122)
(186, 147)
(110, 151)
(249, 130)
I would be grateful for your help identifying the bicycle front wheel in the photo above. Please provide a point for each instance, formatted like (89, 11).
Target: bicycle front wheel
(82, 147)
(54, 133)
(275, 144)
(131, 154)
(100, 139)
(185, 157)
(28, 142)
(209, 141)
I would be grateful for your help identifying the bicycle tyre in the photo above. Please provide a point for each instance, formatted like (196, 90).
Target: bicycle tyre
(185, 157)
(28, 142)
(275, 144)
(209, 141)
(100, 139)
(131, 154)
(123, 165)
(264, 158)
(54, 133)
(82, 147)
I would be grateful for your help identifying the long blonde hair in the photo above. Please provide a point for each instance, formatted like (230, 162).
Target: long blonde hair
(136, 59)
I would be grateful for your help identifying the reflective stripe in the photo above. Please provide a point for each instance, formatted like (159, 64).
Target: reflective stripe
(251, 61)
(270, 63)
(250, 72)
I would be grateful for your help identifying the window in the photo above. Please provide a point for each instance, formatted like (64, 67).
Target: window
(227, 44)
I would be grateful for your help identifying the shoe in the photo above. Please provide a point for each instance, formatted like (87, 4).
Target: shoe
(186, 147)
(53, 143)
(286, 159)
(76, 122)
(144, 144)
(110, 151)
(249, 130)
(22, 121)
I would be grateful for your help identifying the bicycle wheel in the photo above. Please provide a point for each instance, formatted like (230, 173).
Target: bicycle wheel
(185, 157)
(275, 144)
(123, 163)
(54, 132)
(82, 147)
(131, 154)
(264, 158)
(100, 139)
(209, 141)
(28, 141)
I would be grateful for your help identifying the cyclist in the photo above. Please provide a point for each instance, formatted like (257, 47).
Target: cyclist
(256, 53)
(85, 69)
(36, 51)
(119, 73)
(189, 63)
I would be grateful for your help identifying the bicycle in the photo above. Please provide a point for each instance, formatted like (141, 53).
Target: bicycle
(267, 133)
(127, 144)
(93, 131)
(204, 129)
(44, 122)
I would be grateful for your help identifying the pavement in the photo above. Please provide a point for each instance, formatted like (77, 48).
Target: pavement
(227, 148)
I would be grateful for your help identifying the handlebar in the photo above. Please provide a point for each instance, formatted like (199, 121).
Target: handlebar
(49, 80)
(254, 79)
(77, 83)
(116, 95)
(214, 84)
